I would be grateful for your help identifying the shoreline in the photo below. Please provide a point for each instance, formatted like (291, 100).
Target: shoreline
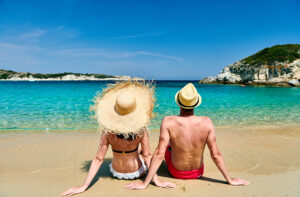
(284, 85)
(91, 130)
(45, 164)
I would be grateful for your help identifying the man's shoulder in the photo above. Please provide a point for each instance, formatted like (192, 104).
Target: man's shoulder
(204, 118)
(169, 118)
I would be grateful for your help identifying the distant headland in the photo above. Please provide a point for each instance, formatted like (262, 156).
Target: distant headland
(278, 65)
(9, 75)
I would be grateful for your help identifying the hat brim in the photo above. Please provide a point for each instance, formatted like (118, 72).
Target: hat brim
(110, 121)
(187, 107)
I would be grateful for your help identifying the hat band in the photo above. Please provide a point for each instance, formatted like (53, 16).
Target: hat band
(186, 105)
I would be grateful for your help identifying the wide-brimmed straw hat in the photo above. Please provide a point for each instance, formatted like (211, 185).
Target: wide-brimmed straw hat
(125, 107)
(188, 97)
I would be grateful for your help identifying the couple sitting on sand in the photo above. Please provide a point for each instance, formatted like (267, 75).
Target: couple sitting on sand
(124, 111)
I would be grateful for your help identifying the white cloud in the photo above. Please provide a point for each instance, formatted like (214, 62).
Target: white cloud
(34, 35)
(97, 52)
(160, 55)
(151, 34)
(45, 51)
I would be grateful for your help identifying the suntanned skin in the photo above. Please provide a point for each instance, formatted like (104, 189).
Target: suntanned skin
(188, 134)
(123, 163)
(129, 162)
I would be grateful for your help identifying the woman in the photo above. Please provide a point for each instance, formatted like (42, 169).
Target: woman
(123, 112)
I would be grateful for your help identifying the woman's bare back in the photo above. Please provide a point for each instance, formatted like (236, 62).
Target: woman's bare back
(125, 162)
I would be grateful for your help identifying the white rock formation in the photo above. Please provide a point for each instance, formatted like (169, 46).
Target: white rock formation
(209, 79)
(70, 78)
(226, 75)
(294, 82)
(281, 73)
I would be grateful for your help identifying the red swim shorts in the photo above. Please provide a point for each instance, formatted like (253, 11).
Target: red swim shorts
(192, 174)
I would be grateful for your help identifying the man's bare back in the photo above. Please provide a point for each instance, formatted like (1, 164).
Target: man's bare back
(188, 136)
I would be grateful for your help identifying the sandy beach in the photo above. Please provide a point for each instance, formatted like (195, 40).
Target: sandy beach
(39, 163)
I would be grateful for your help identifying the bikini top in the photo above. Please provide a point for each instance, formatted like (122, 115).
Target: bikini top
(131, 137)
(131, 151)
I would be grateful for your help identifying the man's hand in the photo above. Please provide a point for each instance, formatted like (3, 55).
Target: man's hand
(238, 181)
(136, 185)
(74, 190)
(164, 184)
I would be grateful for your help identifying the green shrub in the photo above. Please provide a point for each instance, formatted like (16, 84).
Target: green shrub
(280, 53)
(4, 76)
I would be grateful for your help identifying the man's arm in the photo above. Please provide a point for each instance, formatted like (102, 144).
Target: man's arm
(95, 165)
(157, 159)
(147, 155)
(218, 159)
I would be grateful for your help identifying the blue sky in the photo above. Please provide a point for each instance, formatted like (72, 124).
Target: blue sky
(153, 39)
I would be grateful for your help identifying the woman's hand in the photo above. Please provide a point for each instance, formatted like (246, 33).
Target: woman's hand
(238, 181)
(164, 184)
(74, 190)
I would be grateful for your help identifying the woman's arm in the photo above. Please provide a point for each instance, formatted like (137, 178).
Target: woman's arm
(95, 165)
(146, 152)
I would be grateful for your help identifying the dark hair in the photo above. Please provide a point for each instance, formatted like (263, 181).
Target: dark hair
(187, 110)
(131, 136)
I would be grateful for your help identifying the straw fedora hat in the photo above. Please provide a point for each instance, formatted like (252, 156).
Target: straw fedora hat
(125, 107)
(188, 97)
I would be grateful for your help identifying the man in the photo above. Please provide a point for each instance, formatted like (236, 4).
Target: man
(182, 142)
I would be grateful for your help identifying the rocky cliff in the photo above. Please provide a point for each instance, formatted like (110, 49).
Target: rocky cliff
(278, 65)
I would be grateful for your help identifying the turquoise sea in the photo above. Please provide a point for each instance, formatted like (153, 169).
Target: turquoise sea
(65, 105)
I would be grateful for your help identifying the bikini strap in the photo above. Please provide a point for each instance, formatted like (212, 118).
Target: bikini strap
(124, 152)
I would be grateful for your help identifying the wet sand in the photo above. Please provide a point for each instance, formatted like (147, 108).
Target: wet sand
(39, 163)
